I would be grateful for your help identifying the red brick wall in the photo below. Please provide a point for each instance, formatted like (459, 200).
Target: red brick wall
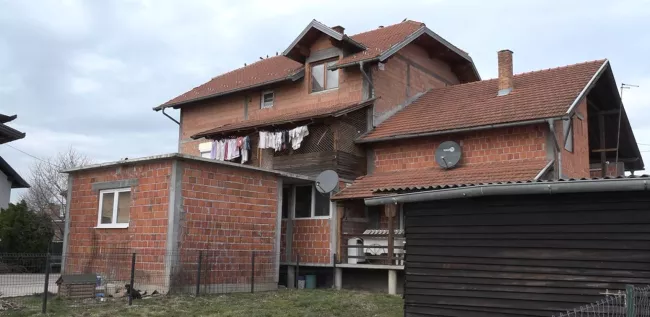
(576, 164)
(289, 97)
(107, 251)
(230, 212)
(497, 145)
(391, 83)
(311, 238)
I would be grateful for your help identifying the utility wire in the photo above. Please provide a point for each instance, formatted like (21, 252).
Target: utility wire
(32, 156)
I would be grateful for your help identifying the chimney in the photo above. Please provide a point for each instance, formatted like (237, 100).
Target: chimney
(505, 72)
(339, 29)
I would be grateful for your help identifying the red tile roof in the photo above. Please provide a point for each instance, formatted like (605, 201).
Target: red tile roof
(264, 71)
(536, 95)
(380, 40)
(279, 67)
(369, 185)
(275, 117)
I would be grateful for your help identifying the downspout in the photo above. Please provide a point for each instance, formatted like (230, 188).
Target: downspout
(170, 117)
(365, 75)
(558, 152)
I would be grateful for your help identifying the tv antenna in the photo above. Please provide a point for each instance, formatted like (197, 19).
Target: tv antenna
(620, 114)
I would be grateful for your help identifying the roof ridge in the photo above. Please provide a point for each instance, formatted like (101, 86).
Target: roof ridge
(245, 65)
(388, 26)
(516, 75)
(560, 67)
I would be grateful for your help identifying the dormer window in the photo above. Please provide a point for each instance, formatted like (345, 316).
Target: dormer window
(266, 101)
(322, 78)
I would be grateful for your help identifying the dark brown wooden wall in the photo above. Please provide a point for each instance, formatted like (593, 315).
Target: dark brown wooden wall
(523, 255)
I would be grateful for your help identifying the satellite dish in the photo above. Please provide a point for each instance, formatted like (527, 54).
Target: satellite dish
(448, 154)
(327, 181)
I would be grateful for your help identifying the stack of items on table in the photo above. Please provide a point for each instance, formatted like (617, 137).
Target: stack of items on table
(230, 149)
(282, 140)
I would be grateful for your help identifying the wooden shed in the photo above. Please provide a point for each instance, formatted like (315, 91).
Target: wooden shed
(533, 249)
(75, 286)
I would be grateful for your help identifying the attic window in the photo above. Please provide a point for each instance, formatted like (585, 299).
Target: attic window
(322, 78)
(267, 99)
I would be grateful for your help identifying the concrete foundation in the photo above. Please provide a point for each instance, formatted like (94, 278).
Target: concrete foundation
(392, 282)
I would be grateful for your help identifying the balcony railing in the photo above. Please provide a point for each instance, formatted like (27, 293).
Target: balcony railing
(373, 248)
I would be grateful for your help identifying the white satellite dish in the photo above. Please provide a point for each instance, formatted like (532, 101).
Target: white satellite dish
(327, 182)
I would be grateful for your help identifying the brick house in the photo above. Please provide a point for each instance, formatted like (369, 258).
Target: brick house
(377, 105)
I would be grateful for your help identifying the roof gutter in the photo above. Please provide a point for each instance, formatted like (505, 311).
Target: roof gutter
(537, 188)
(293, 77)
(451, 131)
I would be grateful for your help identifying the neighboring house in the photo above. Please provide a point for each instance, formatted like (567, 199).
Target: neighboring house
(377, 105)
(9, 178)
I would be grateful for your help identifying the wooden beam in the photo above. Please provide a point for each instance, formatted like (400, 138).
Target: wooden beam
(593, 105)
(608, 112)
(603, 155)
(604, 150)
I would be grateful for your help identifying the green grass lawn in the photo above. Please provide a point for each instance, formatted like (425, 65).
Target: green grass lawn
(317, 303)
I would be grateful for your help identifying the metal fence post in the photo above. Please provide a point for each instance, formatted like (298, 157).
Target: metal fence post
(297, 268)
(131, 286)
(630, 301)
(47, 282)
(253, 272)
(198, 274)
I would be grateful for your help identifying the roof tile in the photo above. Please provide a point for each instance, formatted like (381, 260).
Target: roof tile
(369, 185)
(288, 116)
(536, 95)
(280, 67)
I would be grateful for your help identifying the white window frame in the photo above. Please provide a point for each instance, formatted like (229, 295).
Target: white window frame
(116, 196)
(313, 205)
(205, 148)
(266, 92)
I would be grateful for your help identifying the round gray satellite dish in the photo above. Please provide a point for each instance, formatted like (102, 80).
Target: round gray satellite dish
(327, 181)
(448, 154)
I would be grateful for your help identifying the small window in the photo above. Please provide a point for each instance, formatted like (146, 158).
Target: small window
(114, 208)
(267, 99)
(286, 200)
(374, 217)
(303, 201)
(321, 204)
(322, 78)
(567, 126)
(205, 149)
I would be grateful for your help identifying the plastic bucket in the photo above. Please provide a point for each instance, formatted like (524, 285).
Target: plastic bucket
(310, 281)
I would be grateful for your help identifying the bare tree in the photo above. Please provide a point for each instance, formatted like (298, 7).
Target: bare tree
(48, 186)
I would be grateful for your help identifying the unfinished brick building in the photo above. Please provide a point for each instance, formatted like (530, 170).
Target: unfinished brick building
(377, 105)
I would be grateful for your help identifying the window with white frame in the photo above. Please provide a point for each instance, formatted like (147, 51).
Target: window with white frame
(114, 208)
(205, 149)
(266, 101)
(307, 202)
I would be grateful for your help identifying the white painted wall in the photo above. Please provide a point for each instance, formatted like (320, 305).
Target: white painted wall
(5, 190)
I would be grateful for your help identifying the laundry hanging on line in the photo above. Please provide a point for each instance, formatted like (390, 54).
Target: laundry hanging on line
(282, 140)
(230, 149)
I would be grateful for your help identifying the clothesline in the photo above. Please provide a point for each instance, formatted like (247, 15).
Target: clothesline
(227, 149)
(283, 140)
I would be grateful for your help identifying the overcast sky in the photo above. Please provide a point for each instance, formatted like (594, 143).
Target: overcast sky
(87, 73)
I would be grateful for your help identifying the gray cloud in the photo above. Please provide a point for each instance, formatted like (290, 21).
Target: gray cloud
(87, 73)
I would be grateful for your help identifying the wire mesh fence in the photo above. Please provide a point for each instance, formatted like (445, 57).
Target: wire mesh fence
(633, 302)
(119, 273)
